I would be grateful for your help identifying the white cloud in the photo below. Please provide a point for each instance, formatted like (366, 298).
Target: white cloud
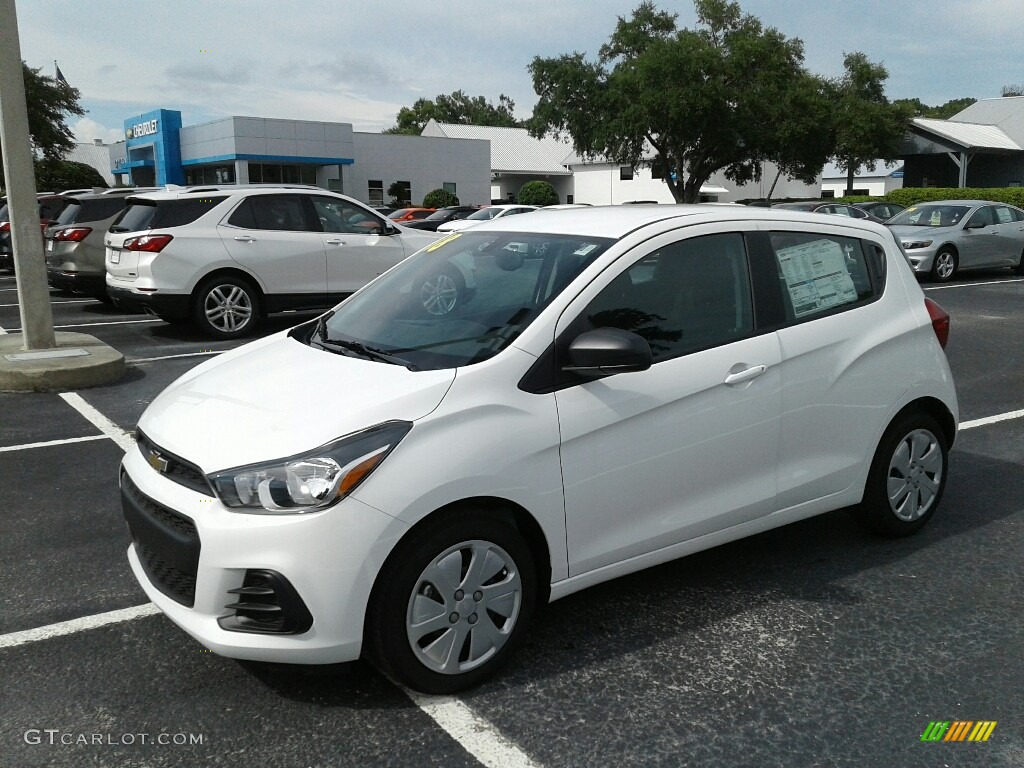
(86, 131)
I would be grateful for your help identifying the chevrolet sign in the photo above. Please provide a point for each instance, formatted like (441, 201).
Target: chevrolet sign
(141, 129)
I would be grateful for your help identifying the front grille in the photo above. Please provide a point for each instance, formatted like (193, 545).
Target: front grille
(166, 542)
(172, 467)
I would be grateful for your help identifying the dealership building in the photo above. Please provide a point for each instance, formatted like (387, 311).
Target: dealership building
(159, 150)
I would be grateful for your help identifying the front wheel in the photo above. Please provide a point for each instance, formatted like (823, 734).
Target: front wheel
(452, 605)
(944, 266)
(1019, 269)
(907, 477)
(226, 307)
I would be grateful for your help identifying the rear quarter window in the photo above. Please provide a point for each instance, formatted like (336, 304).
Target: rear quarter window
(821, 274)
(152, 214)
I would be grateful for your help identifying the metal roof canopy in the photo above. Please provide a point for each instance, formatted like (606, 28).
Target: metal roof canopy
(958, 141)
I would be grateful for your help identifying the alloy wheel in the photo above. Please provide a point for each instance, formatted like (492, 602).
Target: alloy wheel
(228, 308)
(915, 475)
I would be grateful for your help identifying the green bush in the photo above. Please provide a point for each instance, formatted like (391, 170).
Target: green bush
(66, 174)
(439, 198)
(537, 193)
(912, 195)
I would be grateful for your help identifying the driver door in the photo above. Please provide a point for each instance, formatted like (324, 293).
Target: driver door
(358, 250)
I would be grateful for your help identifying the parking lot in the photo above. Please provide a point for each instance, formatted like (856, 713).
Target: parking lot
(810, 645)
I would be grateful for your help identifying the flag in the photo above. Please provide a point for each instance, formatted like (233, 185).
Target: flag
(60, 75)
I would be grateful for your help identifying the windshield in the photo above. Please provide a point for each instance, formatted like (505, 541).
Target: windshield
(441, 215)
(464, 298)
(930, 216)
(484, 214)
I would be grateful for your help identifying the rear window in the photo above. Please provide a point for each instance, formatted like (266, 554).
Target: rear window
(151, 214)
(96, 209)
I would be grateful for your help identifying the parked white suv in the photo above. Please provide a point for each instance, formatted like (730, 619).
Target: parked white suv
(223, 257)
(625, 386)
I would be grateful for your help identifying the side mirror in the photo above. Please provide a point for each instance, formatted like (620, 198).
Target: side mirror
(607, 351)
(975, 225)
(390, 229)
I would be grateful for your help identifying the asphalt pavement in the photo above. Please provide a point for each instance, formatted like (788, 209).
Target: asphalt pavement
(810, 645)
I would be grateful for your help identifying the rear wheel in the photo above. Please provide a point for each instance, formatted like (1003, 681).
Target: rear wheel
(451, 605)
(907, 477)
(1019, 269)
(226, 307)
(944, 266)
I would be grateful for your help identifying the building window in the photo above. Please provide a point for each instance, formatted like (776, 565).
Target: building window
(625, 173)
(210, 174)
(568, 199)
(511, 197)
(278, 173)
(375, 188)
(449, 186)
(401, 192)
(827, 193)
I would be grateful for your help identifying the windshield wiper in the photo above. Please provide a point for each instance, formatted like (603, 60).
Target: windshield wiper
(349, 345)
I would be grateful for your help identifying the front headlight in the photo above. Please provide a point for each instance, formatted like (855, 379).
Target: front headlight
(310, 481)
(909, 244)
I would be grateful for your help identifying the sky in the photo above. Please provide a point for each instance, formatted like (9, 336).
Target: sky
(360, 62)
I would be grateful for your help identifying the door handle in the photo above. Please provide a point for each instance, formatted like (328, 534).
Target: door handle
(245, 239)
(335, 242)
(746, 375)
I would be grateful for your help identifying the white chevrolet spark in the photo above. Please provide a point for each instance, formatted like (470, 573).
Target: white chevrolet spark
(620, 387)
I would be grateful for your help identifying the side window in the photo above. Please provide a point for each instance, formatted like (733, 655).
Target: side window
(278, 212)
(820, 273)
(341, 216)
(1004, 215)
(981, 217)
(687, 296)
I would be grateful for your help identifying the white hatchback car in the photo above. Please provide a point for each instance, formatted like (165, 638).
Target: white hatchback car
(624, 386)
(490, 213)
(223, 257)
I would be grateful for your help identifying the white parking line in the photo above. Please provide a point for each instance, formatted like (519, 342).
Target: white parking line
(77, 625)
(114, 322)
(174, 357)
(48, 443)
(991, 419)
(971, 285)
(65, 301)
(98, 420)
(472, 732)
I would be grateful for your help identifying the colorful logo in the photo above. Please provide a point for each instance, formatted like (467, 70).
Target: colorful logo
(958, 730)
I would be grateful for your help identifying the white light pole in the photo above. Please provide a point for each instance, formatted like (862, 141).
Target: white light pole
(26, 238)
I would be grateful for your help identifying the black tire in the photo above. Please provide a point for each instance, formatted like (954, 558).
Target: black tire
(440, 293)
(1019, 269)
(226, 307)
(909, 510)
(945, 265)
(404, 583)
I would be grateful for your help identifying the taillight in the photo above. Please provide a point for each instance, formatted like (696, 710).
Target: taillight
(148, 243)
(940, 321)
(5, 226)
(73, 235)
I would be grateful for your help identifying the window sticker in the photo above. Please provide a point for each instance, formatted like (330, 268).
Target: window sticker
(583, 250)
(443, 241)
(816, 276)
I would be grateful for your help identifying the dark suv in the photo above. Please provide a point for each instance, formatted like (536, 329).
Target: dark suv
(440, 216)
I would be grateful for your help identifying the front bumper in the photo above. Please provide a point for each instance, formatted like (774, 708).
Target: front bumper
(330, 558)
(921, 259)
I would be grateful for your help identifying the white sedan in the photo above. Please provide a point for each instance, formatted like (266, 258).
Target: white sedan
(485, 214)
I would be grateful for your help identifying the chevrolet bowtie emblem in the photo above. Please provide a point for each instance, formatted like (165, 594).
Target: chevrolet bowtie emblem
(156, 461)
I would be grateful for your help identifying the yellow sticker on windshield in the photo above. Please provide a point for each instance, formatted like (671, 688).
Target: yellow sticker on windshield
(442, 241)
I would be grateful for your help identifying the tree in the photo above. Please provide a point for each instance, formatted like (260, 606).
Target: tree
(944, 112)
(724, 97)
(454, 108)
(537, 193)
(66, 174)
(866, 125)
(439, 198)
(1014, 89)
(400, 194)
(49, 103)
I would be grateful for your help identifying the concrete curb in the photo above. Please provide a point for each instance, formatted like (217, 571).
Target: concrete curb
(101, 365)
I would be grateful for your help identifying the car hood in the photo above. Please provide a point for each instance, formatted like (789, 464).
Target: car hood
(910, 232)
(279, 397)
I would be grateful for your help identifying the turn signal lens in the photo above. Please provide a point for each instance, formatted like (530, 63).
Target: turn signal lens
(73, 235)
(148, 243)
(940, 321)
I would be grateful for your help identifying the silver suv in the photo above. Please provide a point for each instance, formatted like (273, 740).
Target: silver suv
(224, 257)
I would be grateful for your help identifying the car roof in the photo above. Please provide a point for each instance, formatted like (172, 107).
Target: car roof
(172, 192)
(961, 202)
(617, 221)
